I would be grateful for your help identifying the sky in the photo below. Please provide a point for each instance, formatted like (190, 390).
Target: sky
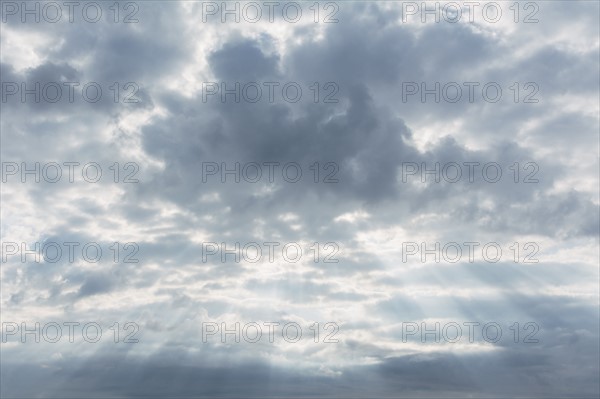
(300, 199)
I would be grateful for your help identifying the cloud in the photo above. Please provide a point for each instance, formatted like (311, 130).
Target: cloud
(336, 173)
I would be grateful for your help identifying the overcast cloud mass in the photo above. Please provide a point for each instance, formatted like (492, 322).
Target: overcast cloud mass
(426, 191)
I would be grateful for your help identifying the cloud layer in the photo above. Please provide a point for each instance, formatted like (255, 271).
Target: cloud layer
(362, 144)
